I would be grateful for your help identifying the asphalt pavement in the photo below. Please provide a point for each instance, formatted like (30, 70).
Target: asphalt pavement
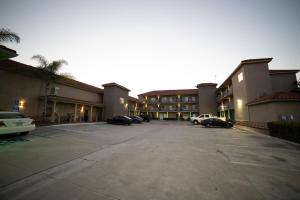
(156, 160)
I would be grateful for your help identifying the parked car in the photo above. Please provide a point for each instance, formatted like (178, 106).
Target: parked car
(146, 118)
(216, 122)
(120, 120)
(136, 119)
(198, 119)
(15, 122)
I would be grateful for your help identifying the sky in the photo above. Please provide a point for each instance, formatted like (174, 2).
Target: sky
(149, 45)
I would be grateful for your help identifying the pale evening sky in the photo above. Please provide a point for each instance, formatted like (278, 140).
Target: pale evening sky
(154, 44)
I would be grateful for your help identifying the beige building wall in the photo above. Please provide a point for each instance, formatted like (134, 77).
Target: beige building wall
(273, 111)
(112, 101)
(15, 86)
(257, 80)
(240, 96)
(254, 84)
(75, 93)
(207, 98)
(283, 82)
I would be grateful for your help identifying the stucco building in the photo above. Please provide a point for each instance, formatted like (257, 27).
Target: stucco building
(252, 95)
(22, 88)
(180, 104)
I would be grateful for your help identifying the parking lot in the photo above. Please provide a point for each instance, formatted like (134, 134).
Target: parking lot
(156, 160)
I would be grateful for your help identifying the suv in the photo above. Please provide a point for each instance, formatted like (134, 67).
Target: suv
(198, 119)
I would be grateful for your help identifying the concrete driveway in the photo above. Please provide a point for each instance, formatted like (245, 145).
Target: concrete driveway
(156, 160)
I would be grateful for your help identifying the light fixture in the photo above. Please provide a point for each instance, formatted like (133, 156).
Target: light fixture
(21, 104)
(239, 103)
(81, 109)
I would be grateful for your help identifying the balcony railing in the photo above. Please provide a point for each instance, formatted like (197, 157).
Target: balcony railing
(226, 106)
(177, 109)
(225, 93)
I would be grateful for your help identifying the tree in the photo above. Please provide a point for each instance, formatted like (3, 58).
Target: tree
(50, 74)
(6, 35)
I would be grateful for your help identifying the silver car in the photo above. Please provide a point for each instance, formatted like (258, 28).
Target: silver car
(15, 122)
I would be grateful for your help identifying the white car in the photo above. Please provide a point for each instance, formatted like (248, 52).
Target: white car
(198, 119)
(15, 122)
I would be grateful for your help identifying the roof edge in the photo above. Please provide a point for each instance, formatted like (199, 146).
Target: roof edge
(243, 62)
(113, 84)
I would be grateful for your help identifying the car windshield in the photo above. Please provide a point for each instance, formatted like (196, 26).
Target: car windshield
(127, 117)
(11, 115)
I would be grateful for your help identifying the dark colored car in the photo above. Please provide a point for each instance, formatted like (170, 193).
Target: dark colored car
(136, 119)
(146, 118)
(216, 122)
(119, 120)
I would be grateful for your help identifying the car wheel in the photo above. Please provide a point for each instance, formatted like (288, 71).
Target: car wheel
(228, 126)
(207, 125)
(195, 122)
(24, 133)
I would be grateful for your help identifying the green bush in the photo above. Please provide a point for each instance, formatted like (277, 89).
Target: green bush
(171, 118)
(287, 130)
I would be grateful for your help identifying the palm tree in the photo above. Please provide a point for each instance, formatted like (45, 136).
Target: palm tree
(50, 74)
(6, 35)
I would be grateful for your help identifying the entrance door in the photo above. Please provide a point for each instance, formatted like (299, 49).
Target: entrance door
(86, 115)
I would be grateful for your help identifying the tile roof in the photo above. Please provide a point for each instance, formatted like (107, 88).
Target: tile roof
(278, 96)
(30, 71)
(134, 99)
(283, 71)
(170, 92)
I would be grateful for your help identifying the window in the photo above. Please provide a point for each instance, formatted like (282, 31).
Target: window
(185, 107)
(122, 101)
(152, 99)
(193, 99)
(185, 99)
(240, 77)
(171, 108)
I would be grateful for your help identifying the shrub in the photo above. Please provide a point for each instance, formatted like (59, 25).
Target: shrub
(171, 118)
(287, 130)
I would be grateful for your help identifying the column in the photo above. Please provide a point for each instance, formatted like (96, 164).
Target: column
(91, 114)
(75, 113)
(53, 112)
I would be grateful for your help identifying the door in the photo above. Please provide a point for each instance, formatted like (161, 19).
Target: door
(86, 115)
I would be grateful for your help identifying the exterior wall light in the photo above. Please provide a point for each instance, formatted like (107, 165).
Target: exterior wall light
(21, 104)
(239, 103)
(81, 109)
(126, 105)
